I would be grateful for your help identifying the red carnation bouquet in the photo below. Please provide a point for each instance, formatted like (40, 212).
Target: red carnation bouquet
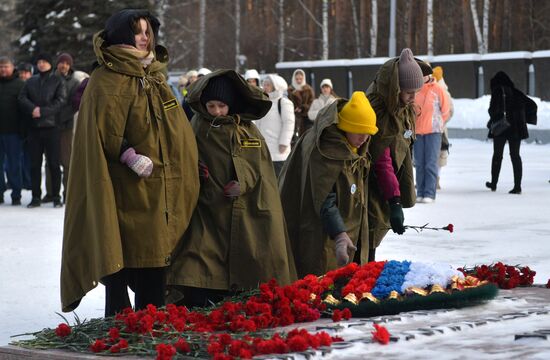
(505, 276)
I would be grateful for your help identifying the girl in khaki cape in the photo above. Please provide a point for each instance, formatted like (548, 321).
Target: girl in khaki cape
(237, 236)
(391, 183)
(323, 187)
(126, 211)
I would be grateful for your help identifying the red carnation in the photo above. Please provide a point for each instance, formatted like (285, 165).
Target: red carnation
(165, 351)
(449, 227)
(297, 343)
(114, 334)
(548, 284)
(336, 316)
(182, 346)
(98, 346)
(381, 334)
(63, 330)
(346, 314)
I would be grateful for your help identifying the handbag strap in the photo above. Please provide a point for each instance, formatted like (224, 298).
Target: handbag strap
(504, 101)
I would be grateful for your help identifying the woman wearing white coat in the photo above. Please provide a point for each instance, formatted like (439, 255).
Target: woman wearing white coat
(326, 97)
(277, 126)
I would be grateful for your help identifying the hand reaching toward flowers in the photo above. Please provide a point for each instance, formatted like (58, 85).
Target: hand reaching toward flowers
(343, 244)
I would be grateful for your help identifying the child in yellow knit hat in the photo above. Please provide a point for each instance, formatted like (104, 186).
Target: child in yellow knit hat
(323, 187)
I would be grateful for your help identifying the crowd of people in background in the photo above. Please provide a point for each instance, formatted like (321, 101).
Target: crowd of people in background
(37, 121)
(195, 191)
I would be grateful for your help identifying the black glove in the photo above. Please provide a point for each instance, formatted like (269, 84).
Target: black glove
(396, 216)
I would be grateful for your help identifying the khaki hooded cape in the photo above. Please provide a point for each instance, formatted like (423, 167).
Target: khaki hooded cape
(234, 244)
(113, 218)
(392, 121)
(322, 161)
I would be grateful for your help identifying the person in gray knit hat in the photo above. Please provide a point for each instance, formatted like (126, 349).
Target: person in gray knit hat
(391, 184)
(410, 74)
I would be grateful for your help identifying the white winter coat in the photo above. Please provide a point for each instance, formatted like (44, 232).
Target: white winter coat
(278, 129)
(318, 104)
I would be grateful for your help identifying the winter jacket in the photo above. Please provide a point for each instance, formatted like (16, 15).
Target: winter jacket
(233, 243)
(11, 117)
(433, 109)
(318, 104)
(395, 132)
(322, 162)
(301, 96)
(65, 117)
(47, 91)
(277, 126)
(113, 218)
(519, 107)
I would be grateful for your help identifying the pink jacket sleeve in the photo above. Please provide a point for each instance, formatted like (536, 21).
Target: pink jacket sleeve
(387, 181)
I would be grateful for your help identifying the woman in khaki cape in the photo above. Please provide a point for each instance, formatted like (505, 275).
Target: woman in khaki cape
(323, 187)
(237, 236)
(391, 183)
(124, 217)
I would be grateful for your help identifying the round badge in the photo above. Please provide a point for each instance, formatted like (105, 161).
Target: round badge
(353, 188)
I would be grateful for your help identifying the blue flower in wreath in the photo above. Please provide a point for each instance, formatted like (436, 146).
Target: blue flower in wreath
(391, 278)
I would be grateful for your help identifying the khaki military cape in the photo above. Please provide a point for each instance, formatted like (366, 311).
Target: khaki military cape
(321, 162)
(395, 130)
(113, 218)
(234, 244)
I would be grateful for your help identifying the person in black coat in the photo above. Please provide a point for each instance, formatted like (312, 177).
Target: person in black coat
(42, 98)
(519, 110)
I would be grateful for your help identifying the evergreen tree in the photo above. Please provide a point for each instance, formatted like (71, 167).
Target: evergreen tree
(56, 26)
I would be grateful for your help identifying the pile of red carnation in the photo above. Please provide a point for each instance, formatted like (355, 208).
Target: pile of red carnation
(505, 276)
(237, 325)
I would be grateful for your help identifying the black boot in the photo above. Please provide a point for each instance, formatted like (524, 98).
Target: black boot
(496, 163)
(517, 167)
(35, 202)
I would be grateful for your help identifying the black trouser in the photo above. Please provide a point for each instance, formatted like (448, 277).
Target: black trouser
(202, 297)
(44, 141)
(498, 150)
(278, 166)
(148, 284)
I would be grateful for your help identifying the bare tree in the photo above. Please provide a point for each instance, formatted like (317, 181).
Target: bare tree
(237, 34)
(202, 32)
(373, 27)
(320, 25)
(325, 30)
(481, 44)
(486, 5)
(160, 9)
(356, 29)
(281, 39)
(430, 26)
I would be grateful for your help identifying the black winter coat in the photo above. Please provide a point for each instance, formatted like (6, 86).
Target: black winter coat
(65, 117)
(11, 119)
(46, 91)
(519, 108)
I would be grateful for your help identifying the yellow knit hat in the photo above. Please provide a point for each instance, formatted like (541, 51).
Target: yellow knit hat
(357, 116)
(438, 73)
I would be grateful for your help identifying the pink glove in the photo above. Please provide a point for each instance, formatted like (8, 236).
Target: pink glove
(343, 244)
(141, 164)
(204, 173)
(232, 189)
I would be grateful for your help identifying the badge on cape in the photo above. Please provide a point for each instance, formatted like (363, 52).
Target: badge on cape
(353, 188)
(251, 143)
(170, 104)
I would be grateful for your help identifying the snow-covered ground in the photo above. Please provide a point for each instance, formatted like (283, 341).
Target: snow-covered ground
(489, 226)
